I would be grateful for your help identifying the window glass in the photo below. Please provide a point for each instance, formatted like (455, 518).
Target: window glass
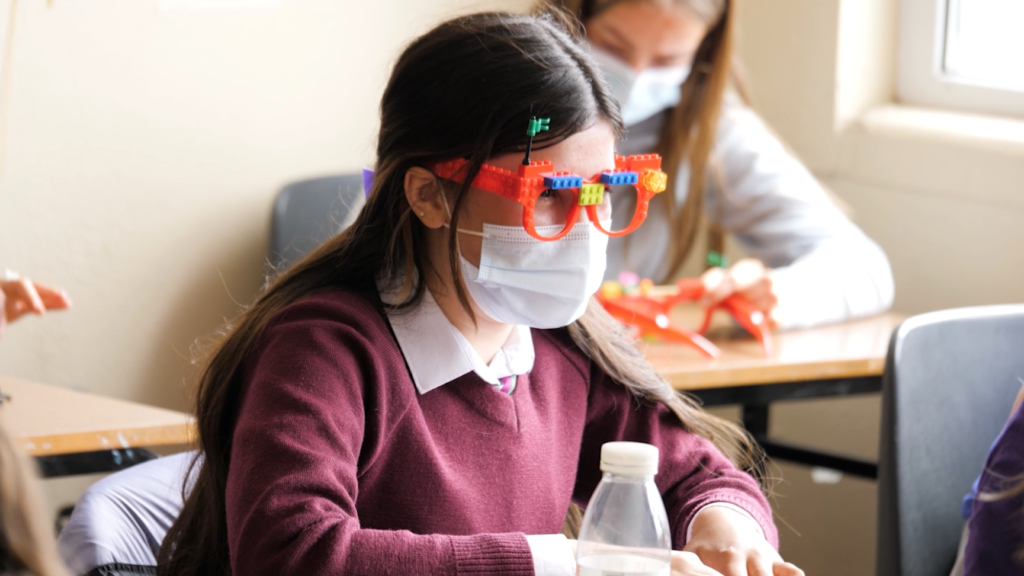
(985, 42)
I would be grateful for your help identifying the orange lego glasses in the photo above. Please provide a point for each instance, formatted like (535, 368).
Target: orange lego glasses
(641, 171)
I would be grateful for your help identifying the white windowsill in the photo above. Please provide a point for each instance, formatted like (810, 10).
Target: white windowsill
(940, 153)
(977, 131)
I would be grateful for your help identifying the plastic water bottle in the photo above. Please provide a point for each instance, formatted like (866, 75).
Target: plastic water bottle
(625, 529)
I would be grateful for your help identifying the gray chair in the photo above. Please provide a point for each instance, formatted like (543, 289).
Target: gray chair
(950, 381)
(310, 212)
(119, 523)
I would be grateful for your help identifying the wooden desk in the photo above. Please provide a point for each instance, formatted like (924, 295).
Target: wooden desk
(837, 360)
(74, 432)
(851, 349)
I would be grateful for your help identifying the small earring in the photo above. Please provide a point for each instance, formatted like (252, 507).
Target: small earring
(422, 214)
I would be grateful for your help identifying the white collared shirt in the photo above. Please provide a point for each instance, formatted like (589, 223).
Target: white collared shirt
(437, 353)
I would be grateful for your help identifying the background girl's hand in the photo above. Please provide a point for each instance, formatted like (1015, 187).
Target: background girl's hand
(748, 278)
(732, 543)
(22, 296)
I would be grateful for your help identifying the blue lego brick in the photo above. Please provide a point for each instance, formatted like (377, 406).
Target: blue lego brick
(617, 178)
(562, 182)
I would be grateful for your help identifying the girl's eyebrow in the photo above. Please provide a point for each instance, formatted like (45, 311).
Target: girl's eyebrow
(674, 57)
(623, 40)
(619, 36)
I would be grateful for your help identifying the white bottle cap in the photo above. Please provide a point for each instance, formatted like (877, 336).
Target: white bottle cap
(629, 459)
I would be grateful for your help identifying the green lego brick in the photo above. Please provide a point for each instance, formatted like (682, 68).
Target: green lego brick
(538, 125)
(591, 194)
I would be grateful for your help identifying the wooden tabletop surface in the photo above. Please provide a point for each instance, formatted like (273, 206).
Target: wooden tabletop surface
(47, 420)
(50, 420)
(850, 349)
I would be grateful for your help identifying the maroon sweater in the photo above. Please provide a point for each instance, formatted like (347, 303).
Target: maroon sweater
(339, 466)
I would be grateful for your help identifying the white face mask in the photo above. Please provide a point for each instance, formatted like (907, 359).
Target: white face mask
(641, 95)
(525, 281)
(536, 283)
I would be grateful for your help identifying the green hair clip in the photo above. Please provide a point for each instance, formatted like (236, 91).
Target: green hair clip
(535, 126)
(538, 125)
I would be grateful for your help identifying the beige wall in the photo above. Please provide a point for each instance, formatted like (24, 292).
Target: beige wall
(144, 148)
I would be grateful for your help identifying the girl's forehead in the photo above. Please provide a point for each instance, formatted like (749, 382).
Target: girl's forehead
(585, 153)
(653, 29)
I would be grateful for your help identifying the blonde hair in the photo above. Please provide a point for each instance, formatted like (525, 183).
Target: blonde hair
(689, 134)
(26, 540)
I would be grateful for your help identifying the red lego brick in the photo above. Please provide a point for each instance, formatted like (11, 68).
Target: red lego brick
(535, 169)
(641, 162)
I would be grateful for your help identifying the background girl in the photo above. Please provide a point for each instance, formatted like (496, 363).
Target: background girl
(670, 64)
(408, 400)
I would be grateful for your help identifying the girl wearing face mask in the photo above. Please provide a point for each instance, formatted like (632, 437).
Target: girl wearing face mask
(670, 66)
(428, 392)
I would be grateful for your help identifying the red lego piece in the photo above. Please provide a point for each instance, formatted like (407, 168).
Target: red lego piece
(650, 315)
(527, 183)
(641, 162)
(535, 169)
(448, 169)
(630, 310)
(749, 316)
(496, 179)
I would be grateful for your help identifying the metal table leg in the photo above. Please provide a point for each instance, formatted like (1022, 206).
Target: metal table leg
(756, 402)
(92, 462)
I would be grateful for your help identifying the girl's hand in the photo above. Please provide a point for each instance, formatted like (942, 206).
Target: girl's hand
(688, 564)
(683, 563)
(731, 543)
(748, 278)
(22, 296)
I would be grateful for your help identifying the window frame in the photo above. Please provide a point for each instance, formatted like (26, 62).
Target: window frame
(920, 79)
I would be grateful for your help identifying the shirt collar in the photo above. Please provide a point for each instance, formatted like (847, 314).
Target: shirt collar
(437, 353)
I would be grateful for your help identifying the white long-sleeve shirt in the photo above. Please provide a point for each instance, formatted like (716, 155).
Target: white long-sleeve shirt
(825, 269)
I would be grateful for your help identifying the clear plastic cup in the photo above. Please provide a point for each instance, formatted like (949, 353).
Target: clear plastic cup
(625, 529)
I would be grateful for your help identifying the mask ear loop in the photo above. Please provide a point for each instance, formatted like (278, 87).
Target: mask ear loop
(444, 200)
(448, 210)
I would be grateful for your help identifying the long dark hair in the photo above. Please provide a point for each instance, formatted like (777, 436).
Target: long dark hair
(463, 90)
(689, 133)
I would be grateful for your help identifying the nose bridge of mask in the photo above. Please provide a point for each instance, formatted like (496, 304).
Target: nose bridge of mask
(659, 85)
